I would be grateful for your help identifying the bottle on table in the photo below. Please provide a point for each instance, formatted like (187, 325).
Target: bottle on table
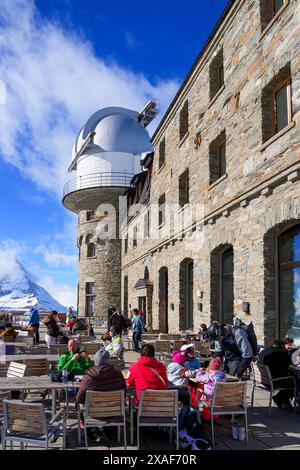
(65, 376)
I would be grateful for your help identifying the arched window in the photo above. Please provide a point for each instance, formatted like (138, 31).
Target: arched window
(289, 283)
(125, 298)
(91, 250)
(227, 286)
(163, 287)
(186, 293)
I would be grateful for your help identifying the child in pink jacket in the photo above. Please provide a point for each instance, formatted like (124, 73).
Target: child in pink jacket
(209, 378)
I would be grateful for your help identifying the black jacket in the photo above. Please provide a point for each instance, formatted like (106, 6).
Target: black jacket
(118, 321)
(277, 360)
(52, 327)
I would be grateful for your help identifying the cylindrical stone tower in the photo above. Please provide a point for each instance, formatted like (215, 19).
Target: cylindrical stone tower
(105, 157)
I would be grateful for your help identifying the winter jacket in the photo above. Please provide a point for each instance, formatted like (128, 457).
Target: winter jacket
(9, 332)
(175, 374)
(277, 360)
(34, 318)
(209, 379)
(241, 339)
(100, 378)
(202, 336)
(141, 376)
(71, 323)
(118, 321)
(229, 346)
(52, 327)
(192, 364)
(78, 326)
(115, 348)
(137, 323)
(77, 367)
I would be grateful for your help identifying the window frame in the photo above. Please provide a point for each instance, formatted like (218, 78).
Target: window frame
(219, 146)
(288, 83)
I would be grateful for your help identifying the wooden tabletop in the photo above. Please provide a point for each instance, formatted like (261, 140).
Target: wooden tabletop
(24, 357)
(33, 383)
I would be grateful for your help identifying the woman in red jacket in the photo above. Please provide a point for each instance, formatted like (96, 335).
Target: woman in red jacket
(147, 372)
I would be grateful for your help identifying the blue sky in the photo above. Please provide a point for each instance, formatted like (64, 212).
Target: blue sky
(60, 61)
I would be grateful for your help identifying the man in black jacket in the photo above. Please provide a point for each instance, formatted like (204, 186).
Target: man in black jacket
(278, 362)
(118, 321)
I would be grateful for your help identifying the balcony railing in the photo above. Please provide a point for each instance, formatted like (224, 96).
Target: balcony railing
(98, 180)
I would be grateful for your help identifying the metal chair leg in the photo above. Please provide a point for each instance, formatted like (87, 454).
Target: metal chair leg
(270, 404)
(125, 437)
(212, 429)
(85, 437)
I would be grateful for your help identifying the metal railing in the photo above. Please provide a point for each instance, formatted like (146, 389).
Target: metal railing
(98, 180)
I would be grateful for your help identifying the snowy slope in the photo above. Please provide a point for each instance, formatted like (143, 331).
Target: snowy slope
(19, 291)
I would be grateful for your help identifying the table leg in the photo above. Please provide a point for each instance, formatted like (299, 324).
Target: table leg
(53, 402)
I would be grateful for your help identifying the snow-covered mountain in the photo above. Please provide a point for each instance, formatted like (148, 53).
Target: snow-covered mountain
(19, 291)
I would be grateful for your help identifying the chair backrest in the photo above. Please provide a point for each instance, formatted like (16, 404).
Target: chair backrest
(36, 367)
(28, 418)
(22, 333)
(91, 348)
(162, 345)
(104, 404)
(229, 395)
(168, 336)
(58, 348)
(203, 348)
(261, 374)
(16, 370)
(149, 336)
(3, 369)
(7, 339)
(158, 404)
(25, 339)
(3, 396)
(178, 343)
(85, 339)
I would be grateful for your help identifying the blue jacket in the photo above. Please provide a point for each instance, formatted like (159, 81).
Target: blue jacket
(34, 318)
(192, 364)
(137, 323)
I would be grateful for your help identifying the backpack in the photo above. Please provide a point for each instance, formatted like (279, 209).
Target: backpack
(250, 334)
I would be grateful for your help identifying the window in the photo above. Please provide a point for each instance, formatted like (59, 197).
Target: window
(162, 210)
(89, 299)
(268, 9)
(289, 283)
(125, 298)
(134, 236)
(217, 158)
(90, 215)
(276, 104)
(91, 250)
(147, 224)
(216, 74)
(227, 286)
(186, 289)
(184, 188)
(162, 153)
(126, 244)
(184, 120)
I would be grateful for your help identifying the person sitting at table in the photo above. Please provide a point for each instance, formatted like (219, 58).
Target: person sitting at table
(203, 333)
(147, 372)
(115, 347)
(79, 325)
(100, 378)
(76, 360)
(191, 362)
(71, 323)
(209, 378)
(288, 346)
(9, 331)
(278, 361)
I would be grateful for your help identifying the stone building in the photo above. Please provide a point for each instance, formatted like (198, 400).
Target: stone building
(226, 162)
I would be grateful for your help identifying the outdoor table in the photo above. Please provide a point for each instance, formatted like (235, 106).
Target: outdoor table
(23, 357)
(38, 383)
(10, 348)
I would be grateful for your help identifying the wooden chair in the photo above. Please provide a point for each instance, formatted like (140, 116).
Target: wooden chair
(15, 369)
(203, 351)
(169, 336)
(162, 346)
(23, 334)
(156, 408)
(104, 409)
(3, 369)
(26, 340)
(36, 367)
(8, 339)
(91, 348)
(3, 396)
(177, 343)
(27, 423)
(228, 399)
(262, 379)
(58, 348)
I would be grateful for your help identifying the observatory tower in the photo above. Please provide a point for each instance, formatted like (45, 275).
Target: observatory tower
(105, 157)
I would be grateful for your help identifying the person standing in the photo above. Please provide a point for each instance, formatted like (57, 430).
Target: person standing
(137, 328)
(110, 312)
(69, 315)
(117, 320)
(34, 321)
(53, 330)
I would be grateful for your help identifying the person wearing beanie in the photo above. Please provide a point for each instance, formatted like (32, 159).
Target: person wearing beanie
(176, 370)
(209, 378)
(115, 347)
(191, 362)
(101, 377)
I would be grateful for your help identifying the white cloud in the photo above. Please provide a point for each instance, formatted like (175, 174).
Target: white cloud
(63, 293)
(56, 258)
(54, 82)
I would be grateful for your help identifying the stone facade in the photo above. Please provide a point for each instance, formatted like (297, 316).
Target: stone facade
(248, 206)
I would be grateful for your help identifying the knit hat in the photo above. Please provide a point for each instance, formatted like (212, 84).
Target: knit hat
(102, 357)
(215, 364)
(178, 358)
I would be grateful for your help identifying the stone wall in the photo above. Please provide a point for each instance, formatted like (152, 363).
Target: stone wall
(260, 191)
